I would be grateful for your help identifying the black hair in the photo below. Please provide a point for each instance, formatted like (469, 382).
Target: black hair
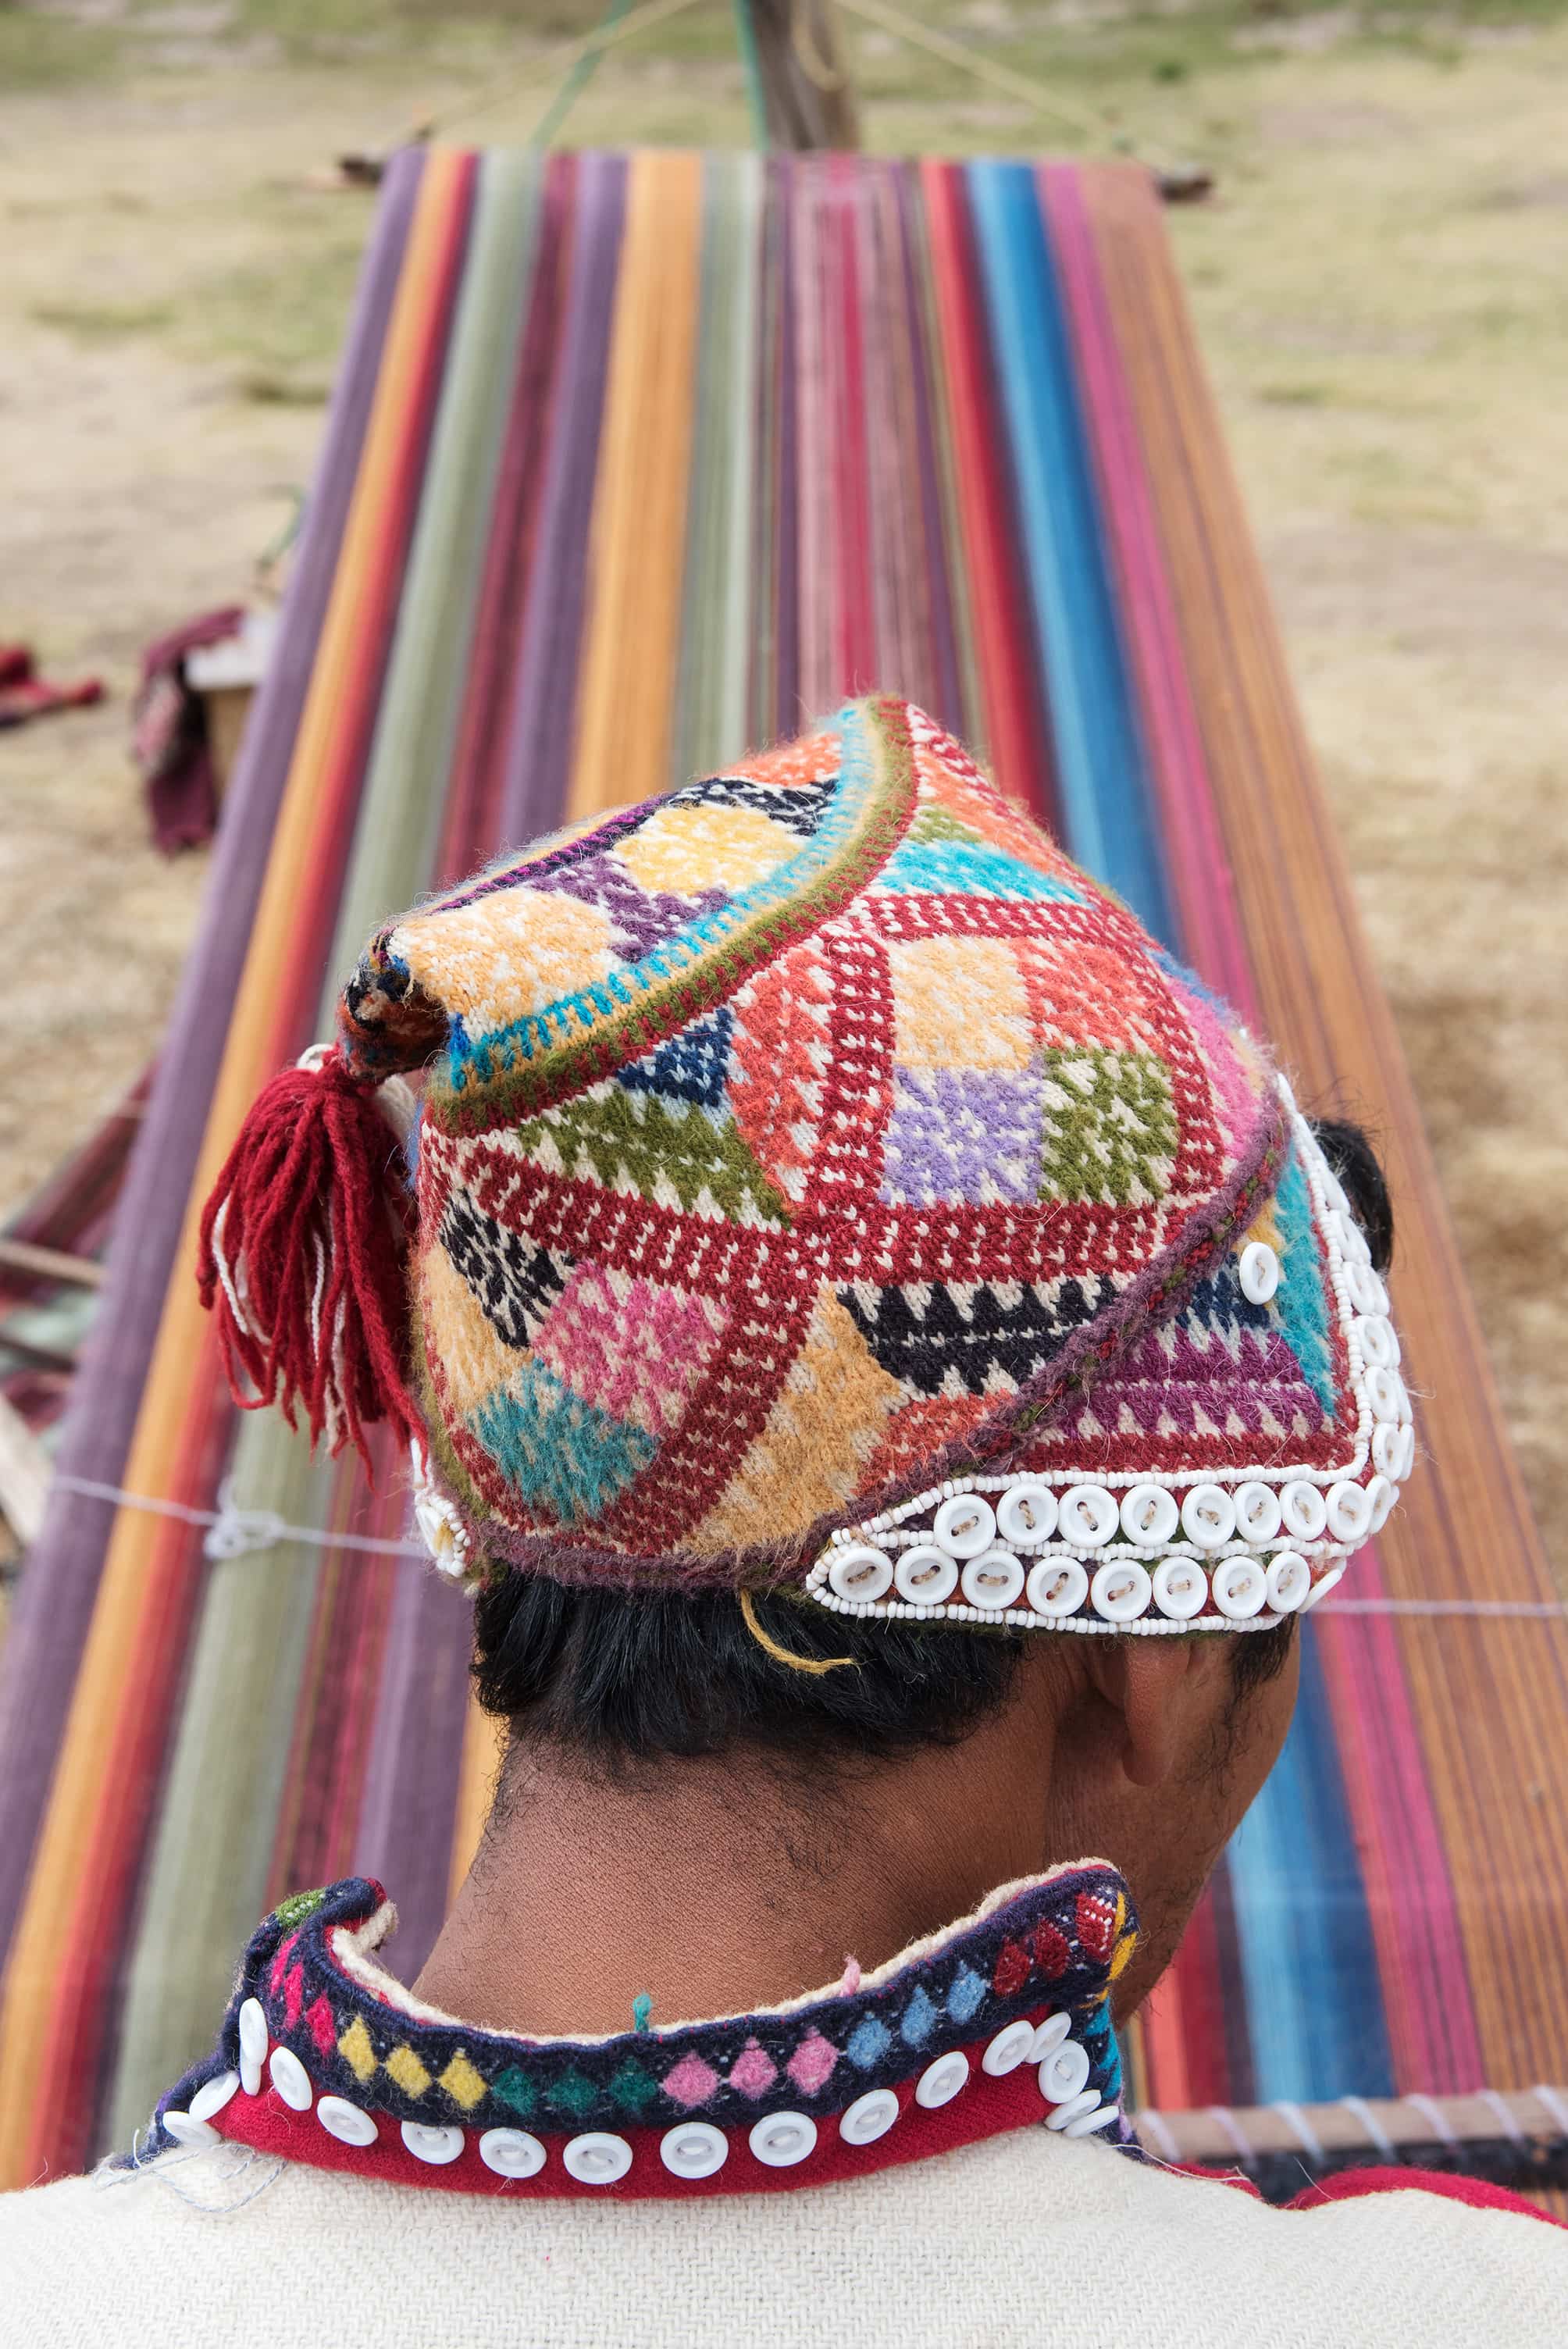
(635, 1675)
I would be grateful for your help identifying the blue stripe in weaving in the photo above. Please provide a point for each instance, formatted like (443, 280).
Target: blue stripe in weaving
(1101, 766)
(1313, 1994)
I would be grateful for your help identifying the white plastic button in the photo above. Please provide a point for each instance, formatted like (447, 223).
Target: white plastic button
(1349, 1511)
(1087, 1514)
(1288, 1580)
(965, 1524)
(1099, 2116)
(290, 2080)
(1303, 1510)
(1406, 1414)
(1086, 2101)
(1065, 2073)
(1010, 2048)
(869, 2117)
(859, 1572)
(1324, 1583)
(512, 2153)
(1240, 1587)
(213, 2094)
(1057, 1586)
(186, 2129)
(1384, 1389)
(925, 1575)
(1257, 1512)
(1379, 1344)
(1048, 2035)
(1365, 1291)
(781, 2139)
(1209, 1517)
(427, 2143)
(1332, 1189)
(1385, 1438)
(1180, 1587)
(1150, 1516)
(596, 2159)
(253, 2046)
(1027, 1514)
(1352, 1240)
(693, 2150)
(1120, 1590)
(345, 2122)
(940, 2081)
(1259, 1272)
(1381, 1495)
(993, 1580)
(1407, 1459)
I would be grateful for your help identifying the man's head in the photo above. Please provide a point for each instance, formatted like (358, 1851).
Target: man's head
(847, 1255)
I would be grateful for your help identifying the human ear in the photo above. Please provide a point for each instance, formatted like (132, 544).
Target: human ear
(1164, 1693)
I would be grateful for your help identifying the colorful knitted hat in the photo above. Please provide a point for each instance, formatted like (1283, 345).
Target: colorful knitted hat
(819, 1184)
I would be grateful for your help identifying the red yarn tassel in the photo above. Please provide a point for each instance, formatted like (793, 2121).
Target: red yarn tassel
(301, 1258)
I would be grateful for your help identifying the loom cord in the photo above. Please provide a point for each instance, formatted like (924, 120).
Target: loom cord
(532, 596)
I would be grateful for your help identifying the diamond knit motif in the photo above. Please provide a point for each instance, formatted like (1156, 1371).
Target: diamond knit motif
(814, 1129)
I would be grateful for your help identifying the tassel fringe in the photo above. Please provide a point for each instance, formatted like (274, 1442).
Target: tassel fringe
(303, 1251)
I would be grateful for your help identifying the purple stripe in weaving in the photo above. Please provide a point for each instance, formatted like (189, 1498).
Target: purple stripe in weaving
(544, 708)
(950, 711)
(405, 1834)
(53, 1605)
(781, 178)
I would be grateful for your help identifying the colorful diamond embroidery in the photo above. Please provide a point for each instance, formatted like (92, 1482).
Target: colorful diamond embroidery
(356, 2050)
(868, 2043)
(919, 2019)
(405, 2068)
(964, 1995)
(690, 2083)
(462, 2083)
(516, 2091)
(812, 2064)
(753, 2072)
(564, 1455)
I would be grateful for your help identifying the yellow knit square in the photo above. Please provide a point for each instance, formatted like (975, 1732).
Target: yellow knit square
(356, 2051)
(462, 2083)
(959, 1003)
(518, 951)
(475, 1358)
(684, 849)
(408, 2071)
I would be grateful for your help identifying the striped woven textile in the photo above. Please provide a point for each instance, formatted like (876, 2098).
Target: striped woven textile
(635, 460)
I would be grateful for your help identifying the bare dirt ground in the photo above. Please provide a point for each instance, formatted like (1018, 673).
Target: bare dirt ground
(1379, 287)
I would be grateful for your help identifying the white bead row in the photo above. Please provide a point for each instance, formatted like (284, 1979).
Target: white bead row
(691, 2148)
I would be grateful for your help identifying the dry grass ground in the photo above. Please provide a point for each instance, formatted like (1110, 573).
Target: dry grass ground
(1380, 290)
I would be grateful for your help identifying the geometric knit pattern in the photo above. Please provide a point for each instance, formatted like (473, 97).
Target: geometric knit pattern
(809, 1135)
(1056, 1941)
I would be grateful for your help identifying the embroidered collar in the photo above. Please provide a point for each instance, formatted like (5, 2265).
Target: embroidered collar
(1002, 2020)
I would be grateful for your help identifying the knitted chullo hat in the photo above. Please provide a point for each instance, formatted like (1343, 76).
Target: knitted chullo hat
(821, 1184)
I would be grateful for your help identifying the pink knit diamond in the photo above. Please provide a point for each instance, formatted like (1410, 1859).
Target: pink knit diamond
(751, 2072)
(692, 2082)
(811, 2063)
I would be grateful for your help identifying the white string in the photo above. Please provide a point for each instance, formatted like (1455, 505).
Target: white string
(1530, 1606)
(1506, 2114)
(1556, 2106)
(234, 1532)
(1437, 2120)
(1233, 2128)
(1369, 2120)
(1159, 2128)
(1303, 2127)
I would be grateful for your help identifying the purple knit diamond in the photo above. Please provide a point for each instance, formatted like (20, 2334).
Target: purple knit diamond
(812, 2063)
(642, 917)
(752, 2071)
(964, 1134)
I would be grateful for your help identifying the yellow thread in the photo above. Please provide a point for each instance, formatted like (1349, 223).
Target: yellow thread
(816, 1665)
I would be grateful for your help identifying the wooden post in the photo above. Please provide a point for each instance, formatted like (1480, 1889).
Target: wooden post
(807, 91)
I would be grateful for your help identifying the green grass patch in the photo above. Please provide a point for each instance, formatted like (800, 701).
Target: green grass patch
(96, 323)
(40, 52)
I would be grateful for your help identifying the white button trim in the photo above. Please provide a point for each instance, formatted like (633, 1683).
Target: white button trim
(965, 1526)
(781, 2139)
(1098, 2117)
(869, 2117)
(1120, 1590)
(1057, 1586)
(1349, 1511)
(596, 2157)
(1087, 2101)
(1049, 2035)
(427, 2142)
(993, 1580)
(1303, 1511)
(512, 2153)
(1289, 1581)
(290, 2079)
(1257, 1512)
(925, 1575)
(1087, 1514)
(350, 2123)
(1240, 1587)
(1209, 1517)
(1259, 1272)
(1150, 1516)
(1027, 1515)
(254, 2043)
(1012, 2046)
(1323, 1584)
(1181, 1589)
(942, 2081)
(693, 2150)
(186, 2129)
(213, 2094)
(861, 1572)
(1066, 2073)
